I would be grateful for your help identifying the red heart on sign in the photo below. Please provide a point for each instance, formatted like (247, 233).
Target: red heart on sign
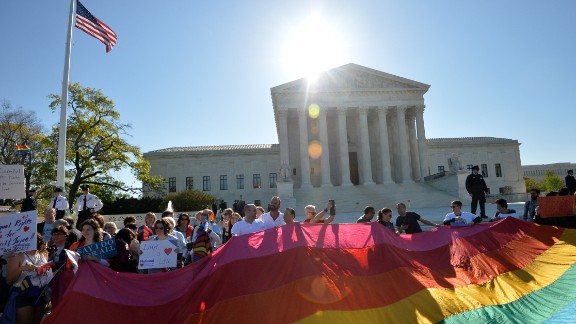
(167, 251)
(26, 228)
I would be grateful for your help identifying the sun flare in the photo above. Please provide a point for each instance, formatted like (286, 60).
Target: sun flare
(313, 46)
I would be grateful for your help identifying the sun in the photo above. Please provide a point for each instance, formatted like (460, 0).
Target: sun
(313, 46)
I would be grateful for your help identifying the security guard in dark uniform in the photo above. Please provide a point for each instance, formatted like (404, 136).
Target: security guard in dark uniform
(476, 187)
(29, 203)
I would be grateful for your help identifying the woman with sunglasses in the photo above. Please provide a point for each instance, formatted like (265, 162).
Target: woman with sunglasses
(184, 226)
(227, 224)
(385, 218)
(162, 229)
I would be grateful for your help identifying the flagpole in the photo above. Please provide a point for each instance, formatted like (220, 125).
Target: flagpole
(60, 176)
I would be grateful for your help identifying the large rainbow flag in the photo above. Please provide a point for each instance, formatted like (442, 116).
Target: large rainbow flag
(504, 272)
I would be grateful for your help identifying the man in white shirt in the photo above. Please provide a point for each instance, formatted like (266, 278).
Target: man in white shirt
(59, 203)
(458, 217)
(249, 224)
(86, 204)
(274, 217)
(503, 211)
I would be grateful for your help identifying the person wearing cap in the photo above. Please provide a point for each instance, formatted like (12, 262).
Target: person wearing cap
(30, 202)
(59, 203)
(86, 204)
(477, 189)
(570, 182)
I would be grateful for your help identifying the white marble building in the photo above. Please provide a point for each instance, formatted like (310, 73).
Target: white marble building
(356, 135)
(538, 171)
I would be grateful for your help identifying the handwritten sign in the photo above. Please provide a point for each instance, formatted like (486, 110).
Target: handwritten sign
(104, 249)
(157, 254)
(555, 206)
(12, 181)
(18, 232)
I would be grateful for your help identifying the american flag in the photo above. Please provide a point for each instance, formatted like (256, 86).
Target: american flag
(94, 27)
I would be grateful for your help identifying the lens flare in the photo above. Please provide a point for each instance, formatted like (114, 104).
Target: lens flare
(322, 290)
(314, 128)
(313, 111)
(315, 149)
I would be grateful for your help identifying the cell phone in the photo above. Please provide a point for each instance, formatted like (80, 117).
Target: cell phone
(333, 209)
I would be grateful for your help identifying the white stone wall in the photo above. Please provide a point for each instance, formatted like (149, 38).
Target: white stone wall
(231, 164)
(538, 171)
(478, 151)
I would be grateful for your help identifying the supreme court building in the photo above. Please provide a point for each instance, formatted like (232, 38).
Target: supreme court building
(355, 135)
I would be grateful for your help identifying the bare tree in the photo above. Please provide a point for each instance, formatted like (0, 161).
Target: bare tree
(20, 127)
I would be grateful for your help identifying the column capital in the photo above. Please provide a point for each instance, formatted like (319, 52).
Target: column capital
(363, 110)
(419, 109)
(282, 113)
(341, 111)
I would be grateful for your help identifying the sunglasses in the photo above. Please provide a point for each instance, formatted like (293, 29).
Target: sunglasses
(184, 219)
(159, 228)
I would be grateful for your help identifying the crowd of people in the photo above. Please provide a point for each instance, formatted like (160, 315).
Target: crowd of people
(194, 238)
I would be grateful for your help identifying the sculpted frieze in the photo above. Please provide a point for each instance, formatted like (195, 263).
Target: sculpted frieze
(336, 80)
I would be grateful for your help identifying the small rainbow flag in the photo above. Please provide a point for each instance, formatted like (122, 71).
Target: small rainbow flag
(23, 149)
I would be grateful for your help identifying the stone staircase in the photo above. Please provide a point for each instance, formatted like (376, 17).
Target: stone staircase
(355, 198)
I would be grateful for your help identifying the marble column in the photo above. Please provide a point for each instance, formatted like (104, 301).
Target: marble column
(325, 157)
(343, 147)
(304, 159)
(422, 145)
(414, 156)
(404, 146)
(283, 140)
(385, 146)
(365, 142)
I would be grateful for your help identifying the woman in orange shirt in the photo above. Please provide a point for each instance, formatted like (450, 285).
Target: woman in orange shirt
(91, 233)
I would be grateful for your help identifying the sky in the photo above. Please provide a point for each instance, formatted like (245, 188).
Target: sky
(196, 73)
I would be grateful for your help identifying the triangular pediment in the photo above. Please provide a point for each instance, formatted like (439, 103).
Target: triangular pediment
(351, 77)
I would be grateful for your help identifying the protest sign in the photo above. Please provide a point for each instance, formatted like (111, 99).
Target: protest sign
(157, 254)
(12, 181)
(104, 249)
(18, 232)
(555, 206)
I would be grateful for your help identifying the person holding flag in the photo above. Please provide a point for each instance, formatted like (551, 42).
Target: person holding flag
(204, 238)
